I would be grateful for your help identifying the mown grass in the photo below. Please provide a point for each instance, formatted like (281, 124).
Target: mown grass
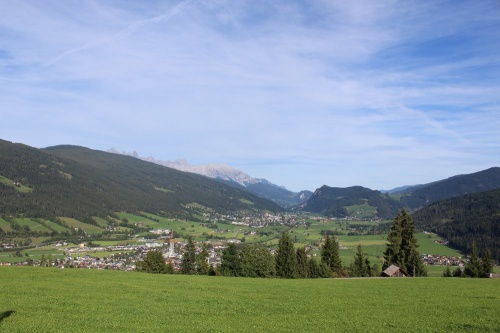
(88, 228)
(22, 188)
(33, 225)
(71, 300)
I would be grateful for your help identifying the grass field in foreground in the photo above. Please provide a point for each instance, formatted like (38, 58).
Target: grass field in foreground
(71, 300)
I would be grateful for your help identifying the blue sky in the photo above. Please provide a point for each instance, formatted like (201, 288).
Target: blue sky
(340, 93)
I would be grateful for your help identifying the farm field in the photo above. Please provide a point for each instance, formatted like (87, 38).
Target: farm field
(88, 228)
(114, 301)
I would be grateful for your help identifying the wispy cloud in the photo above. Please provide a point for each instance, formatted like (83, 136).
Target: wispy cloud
(386, 92)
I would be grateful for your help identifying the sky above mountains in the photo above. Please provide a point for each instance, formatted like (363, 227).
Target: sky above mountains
(372, 93)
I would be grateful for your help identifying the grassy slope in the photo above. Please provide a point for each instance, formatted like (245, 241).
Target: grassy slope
(104, 301)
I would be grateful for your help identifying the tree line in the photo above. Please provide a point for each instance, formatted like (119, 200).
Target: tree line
(475, 267)
(255, 260)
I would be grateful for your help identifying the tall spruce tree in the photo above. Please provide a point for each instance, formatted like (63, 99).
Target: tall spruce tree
(361, 266)
(330, 254)
(302, 263)
(188, 263)
(286, 259)
(487, 263)
(402, 246)
(314, 270)
(474, 267)
(202, 261)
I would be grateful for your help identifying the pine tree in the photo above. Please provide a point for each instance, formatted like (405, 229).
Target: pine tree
(360, 267)
(447, 272)
(202, 261)
(487, 263)
(330, 254)
(375, 270)
(286, 259)
(402, 246)
(393, 248)
(302, 263)
(474, 267)
(314, 271)
(188, 263)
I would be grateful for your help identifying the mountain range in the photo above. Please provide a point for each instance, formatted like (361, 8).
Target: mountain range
(357, 201)
(82, 183)
(233, 177)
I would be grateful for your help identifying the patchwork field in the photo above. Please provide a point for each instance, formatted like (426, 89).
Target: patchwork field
(88, 228)
(113, 301)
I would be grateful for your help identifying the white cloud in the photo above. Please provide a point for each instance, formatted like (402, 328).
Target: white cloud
(311, 88)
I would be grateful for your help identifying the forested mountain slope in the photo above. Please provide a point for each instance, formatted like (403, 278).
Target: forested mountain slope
(421, 195)
(79, 182)
(283, 197)
(335, 201)
(464, 219)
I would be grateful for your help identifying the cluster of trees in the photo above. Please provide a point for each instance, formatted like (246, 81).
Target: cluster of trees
(255, 260)
(475, 268)
(402, 246)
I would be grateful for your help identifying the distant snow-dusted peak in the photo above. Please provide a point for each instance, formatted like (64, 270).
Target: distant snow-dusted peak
(217, 171)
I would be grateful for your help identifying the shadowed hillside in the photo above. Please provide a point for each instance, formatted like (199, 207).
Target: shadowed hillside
(79, 182)
(464, 219)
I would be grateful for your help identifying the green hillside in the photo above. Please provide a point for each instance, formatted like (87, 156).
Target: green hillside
(464, 219)
(421, 195)
(80, 183)
(351, 201)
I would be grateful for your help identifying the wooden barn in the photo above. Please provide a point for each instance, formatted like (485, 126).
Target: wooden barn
(394, 271)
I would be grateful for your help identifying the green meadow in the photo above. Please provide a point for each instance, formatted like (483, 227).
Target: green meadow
(72, 300)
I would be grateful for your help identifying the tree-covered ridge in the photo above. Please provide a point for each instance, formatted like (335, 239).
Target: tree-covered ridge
(422, 195)
(79, 182)
(332, 201)
(464, 220)
(277, 194)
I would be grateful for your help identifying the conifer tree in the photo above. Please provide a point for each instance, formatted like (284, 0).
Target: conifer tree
(314, 271)
(361, 266)
(393, 248)
(447, 272)
(286, 259)
(202, 261)
(487, 263)
(302, 263)
(330, 254)
(402, 246)
(474, 267)
(188, 263)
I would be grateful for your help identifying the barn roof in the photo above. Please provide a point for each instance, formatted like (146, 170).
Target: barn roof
(391, 270)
